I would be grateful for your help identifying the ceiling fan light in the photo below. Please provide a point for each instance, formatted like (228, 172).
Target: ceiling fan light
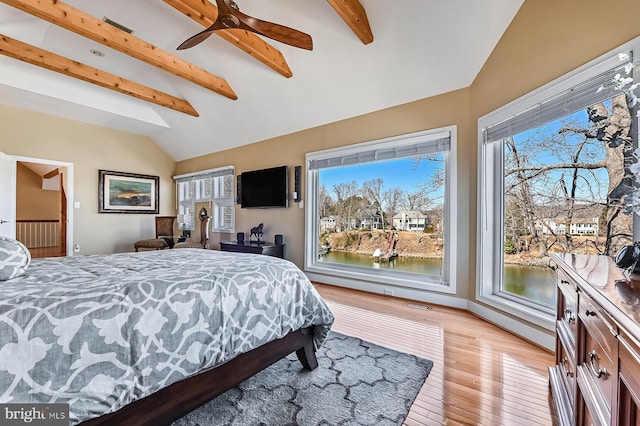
(230, 21)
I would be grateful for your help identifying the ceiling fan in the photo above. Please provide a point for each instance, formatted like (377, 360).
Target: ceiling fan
(230, 17)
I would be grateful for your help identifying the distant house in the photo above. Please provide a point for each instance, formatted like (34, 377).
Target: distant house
(328, 223)
(410, 220)
(550, 226)
(557, 226)
(584, 226)
(371, 221)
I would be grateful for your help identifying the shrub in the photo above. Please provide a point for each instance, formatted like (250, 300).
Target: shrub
(509, 246)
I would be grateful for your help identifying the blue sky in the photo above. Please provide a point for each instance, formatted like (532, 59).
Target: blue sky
(403, 173)
(594, 153)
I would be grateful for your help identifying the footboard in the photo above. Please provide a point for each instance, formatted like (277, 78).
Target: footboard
(173, 402)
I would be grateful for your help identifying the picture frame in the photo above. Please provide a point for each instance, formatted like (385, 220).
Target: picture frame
(121, 192)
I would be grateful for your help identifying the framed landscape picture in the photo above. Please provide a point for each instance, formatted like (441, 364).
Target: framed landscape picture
(120, 192)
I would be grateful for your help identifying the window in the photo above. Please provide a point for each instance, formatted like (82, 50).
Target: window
(380, 211)
(554, 177)
(210, 188)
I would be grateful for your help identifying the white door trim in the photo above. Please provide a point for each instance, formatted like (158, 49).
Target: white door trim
(8, 192)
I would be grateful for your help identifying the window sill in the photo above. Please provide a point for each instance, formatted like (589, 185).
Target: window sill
(527, 313)
(400, 279)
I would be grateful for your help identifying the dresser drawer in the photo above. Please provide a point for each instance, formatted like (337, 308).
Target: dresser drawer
(599, 326)
(567, 306)
(601, 366)
(567, 371)
(629, 381)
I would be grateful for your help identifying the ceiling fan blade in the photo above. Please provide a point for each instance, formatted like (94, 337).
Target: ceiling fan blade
(230, 17)
(221, 22)
(196, 39)
(276, 32)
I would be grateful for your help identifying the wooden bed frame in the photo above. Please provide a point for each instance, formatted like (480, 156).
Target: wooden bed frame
(170, 403)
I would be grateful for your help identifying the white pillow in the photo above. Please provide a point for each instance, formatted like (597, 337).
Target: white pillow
(14, 258)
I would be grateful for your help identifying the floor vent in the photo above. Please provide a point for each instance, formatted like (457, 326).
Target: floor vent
(417, 306)
(115, 24)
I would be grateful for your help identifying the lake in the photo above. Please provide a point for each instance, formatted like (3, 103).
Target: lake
(534, 282)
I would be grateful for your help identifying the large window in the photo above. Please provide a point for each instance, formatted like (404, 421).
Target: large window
(380, 211)
(209, 189)
(555, 177)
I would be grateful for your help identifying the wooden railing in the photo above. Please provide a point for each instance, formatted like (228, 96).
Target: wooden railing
(38, 233)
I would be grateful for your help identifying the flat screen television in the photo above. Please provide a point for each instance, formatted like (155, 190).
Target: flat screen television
(264, 188)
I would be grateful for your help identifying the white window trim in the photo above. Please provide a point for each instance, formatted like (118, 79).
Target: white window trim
(222, 201)
(486, 268)
(227, 201)
(330, 273)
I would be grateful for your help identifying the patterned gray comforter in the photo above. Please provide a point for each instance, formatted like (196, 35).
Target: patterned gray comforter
(98, 332)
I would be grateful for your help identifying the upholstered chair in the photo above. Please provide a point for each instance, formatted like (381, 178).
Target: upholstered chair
(164, 228)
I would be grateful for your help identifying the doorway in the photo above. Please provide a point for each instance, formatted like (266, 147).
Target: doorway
(43, 201)
(41, 208)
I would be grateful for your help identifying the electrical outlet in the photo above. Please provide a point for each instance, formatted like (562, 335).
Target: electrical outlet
(388, 292)
(76, 248)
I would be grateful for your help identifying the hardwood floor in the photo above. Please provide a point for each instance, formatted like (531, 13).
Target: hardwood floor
(482, 375)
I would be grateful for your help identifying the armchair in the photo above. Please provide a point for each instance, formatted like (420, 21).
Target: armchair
(164, 227)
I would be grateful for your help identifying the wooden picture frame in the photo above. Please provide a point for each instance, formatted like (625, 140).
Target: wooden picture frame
(120, 192)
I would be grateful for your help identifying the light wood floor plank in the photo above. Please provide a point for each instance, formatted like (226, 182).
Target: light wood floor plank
(482, 375)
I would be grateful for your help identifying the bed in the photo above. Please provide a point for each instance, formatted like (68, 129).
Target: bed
(150, 336)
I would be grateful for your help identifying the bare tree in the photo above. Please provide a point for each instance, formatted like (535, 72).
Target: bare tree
(524, 190)
(392, 198)
(345, 192)
(417, 200)
(373, 189)
(614, 130)
(560, 168)
(326, 204)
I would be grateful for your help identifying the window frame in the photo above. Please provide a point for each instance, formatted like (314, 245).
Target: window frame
(491, 191)
(217, 202)
(388, 277)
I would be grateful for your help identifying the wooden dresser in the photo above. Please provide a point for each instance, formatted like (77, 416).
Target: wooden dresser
(596, 379)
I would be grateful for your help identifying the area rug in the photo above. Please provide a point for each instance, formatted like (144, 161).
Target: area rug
(356, 383)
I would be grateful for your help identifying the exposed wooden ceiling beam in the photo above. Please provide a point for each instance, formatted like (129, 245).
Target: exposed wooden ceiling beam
(352, 12)
(51, 61)
(204, 12)
(95, 29)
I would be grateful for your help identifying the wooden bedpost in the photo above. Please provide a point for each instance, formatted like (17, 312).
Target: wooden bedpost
(307, 353)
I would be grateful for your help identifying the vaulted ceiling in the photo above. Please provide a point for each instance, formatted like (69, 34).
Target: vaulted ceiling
(237, 87)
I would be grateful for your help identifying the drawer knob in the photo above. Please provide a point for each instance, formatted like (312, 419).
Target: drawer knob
(598, 372)
(568, 316)
(567, 372)
(590, 313)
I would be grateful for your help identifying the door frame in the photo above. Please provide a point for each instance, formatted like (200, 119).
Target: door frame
(8, 216)
(69, 192)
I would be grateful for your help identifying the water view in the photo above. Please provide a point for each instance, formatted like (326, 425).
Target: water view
(534, 282)
(405, 264)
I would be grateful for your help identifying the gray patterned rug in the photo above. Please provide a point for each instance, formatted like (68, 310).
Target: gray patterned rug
(356, 383)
